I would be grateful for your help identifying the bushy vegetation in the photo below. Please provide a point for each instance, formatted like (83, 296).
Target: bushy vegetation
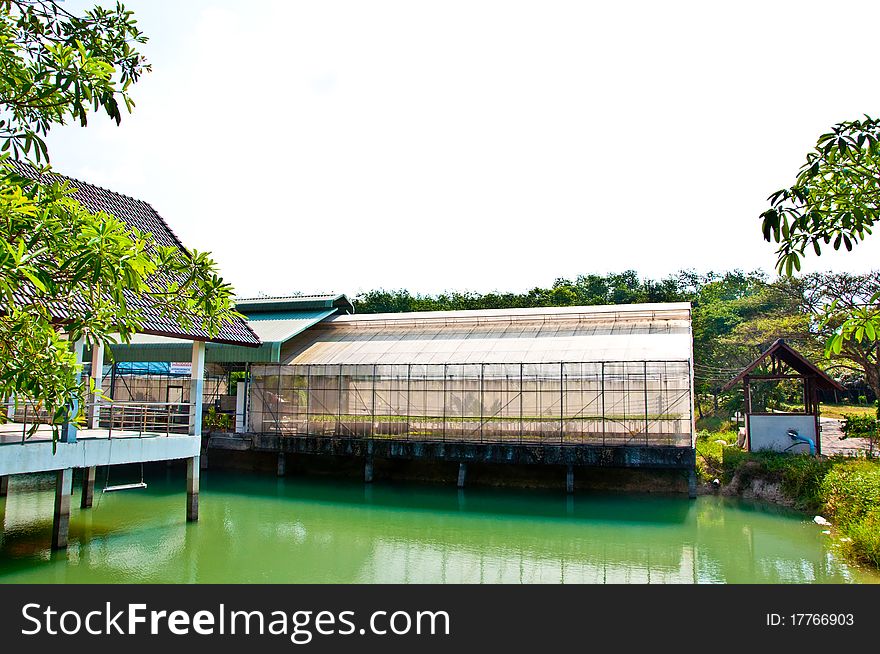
(861, 425)
(851, 494)
(711, 448)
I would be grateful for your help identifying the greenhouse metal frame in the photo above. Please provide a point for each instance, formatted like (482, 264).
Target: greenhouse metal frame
(603, 403)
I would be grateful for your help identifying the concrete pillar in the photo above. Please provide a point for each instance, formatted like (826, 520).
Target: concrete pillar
(462, 474)
(569, 479)
(368, 469)
(88, 488)
(68, 429)
(4, 485)
(197, 383)
(282, 464)
(241, 407)
(692, 483)
(61, 521)
(98, 378)
(192, 489)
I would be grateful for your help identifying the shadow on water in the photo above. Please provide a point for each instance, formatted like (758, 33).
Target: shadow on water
(259, 528)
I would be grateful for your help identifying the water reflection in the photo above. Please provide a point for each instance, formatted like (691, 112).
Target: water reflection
(261, 529)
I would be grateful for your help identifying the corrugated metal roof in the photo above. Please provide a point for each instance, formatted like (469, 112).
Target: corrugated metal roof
(658, 332)
(251, 306)
(615, 312)
(272, 332)
(282, 326)
(142, 216)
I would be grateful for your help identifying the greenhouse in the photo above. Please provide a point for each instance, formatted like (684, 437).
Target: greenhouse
(600, 375)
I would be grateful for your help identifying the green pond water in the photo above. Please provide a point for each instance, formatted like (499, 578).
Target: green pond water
(257, 528)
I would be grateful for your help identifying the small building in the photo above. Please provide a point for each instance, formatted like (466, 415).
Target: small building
(118, 431)
(781, 431)
(607, 386)
(600, 375)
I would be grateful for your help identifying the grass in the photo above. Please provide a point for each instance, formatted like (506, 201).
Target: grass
(394, 417)
(714, 423)
(851, 491)
(840, 410)
(711, 449)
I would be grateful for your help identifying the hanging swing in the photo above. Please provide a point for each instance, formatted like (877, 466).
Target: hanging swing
(122, 487)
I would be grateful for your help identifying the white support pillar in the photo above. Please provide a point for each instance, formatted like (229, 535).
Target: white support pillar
(197, 384)
(61, 521)
(68, 429)
(98, 377)
(241, 407)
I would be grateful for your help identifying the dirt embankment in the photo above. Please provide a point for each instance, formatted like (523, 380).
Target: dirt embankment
(750, 483)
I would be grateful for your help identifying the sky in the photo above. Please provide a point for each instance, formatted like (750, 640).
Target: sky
(342, 146)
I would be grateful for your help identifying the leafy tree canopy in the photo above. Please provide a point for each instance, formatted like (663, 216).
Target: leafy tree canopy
(55, 254)
(835, 201)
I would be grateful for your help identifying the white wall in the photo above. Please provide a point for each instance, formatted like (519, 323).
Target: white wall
(771, 432)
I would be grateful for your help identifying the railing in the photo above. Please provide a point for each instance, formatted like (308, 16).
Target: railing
(128, 419)
(141, 417)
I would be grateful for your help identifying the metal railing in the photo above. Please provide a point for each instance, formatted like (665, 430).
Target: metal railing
(127, 419)
(141, 417)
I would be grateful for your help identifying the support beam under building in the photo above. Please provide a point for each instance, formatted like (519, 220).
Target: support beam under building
(692, 483)
(569, 479)
(192, 489)
(462, 474)
(88, 487)
(282, 464)
(61, 520)
(4, 485)
(368, 469)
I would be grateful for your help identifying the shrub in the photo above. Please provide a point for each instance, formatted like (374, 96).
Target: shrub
(864, 541)
(214, 421)
(852, 497)
(711, 453)
(852, 491)
(861, 426)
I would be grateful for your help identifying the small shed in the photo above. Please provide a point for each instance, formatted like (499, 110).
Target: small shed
(796, 431)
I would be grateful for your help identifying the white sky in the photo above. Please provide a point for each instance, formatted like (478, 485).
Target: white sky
(476, 145)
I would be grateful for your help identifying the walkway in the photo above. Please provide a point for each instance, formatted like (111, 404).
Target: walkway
(832, 443)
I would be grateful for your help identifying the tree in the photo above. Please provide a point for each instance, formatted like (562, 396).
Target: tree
(736, 316)
(55, 256)
(848, 293)
(835, 201)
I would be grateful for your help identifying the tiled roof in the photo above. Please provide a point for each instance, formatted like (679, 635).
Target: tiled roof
(140, 215)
